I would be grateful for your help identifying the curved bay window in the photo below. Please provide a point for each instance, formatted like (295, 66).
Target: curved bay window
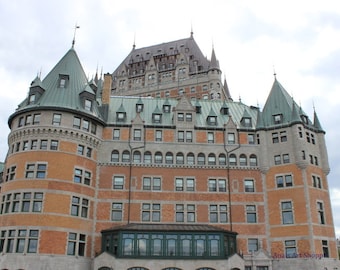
(168, 240)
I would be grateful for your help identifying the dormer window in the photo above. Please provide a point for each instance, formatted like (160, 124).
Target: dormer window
(156, 118)
(212, 120)
(63, 81)
(224, 110)
(304, 118)
(139, 108)
(121, 116)
(88, 105)
(278, 118)
(198, 109)
(31, 99)
(246, 121)
(166, 108)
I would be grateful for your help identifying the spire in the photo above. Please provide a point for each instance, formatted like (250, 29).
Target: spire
(226, 90)
(316, 122)
(74, 35)
(213, 61)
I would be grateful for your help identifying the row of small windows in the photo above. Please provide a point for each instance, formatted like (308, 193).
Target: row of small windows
(26, 241)
(44, 145)
(179, 158)
(78, 122)
(33, 202)
(281, 136)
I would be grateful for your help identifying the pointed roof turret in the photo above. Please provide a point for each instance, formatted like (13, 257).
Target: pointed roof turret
(226, 90)
(279, 106)
(62, 87)
(316, 122)
(213, 61)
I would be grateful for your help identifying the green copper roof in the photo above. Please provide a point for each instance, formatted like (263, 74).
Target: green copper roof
(68, 97)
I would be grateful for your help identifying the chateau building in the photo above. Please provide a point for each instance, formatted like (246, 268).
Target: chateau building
(156, 167)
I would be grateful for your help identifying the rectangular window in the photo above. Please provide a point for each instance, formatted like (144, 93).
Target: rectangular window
(325, 248)
(56, 120)
(231, 138)
(86, 125)
(249, 185)
(253, 245)
(190, 184)
(10, 175)
(36, 119)
(251, 214)
(82, 176)
(80, 149)
(88, 152)
(38, 170)
(151, 183)
(88, 105)
(116, 134)
(179, 212)
(93, 128)
(321, 215)
(117, 212)
(21, 122)
(76, 244)
(25, 146)
(151, 212)
(190, 213)
(218, 213)
(79, 207)
(43, 144)
(76, 122)
(211, 137)
(180, 117)
(277, 160)
(188, 137)
(188, 117)
(118, 182)
(284, 181)
(24, 241)
(283, 136)
(285, 158)
(28, 120)
(179, 184)
(212, 185)
(158, 136)
(34, 144)
(290, 248)
(54, 145)
(180, 136)
(137, 135)
(251, 139)
(316, 181)
(287, 212)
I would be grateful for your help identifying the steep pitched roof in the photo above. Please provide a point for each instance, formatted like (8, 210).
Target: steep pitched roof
(68, 97)
(279, 102)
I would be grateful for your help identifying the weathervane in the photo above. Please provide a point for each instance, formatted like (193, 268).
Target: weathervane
(74, 35)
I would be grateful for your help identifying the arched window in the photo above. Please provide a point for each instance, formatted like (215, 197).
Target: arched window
(104, 268)
(158, 157)
(138, 268)
(211, 159)
(180, 158)
(171, 268)
(201, 159)
(190, 159)
(147, 157)
(222, 159)
(126, 156)
(243, 160)
(115, 156)
(169, 158)
(137, 157)
(253, 160)
(232, 159)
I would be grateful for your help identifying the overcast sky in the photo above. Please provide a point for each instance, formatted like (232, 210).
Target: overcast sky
(300, 40)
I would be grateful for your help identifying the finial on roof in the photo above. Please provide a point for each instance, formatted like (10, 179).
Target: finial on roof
(134, 42)
(74, 35)
(274, 72)
(191, 32)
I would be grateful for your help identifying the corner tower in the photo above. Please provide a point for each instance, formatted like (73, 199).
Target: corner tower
(48, 194)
